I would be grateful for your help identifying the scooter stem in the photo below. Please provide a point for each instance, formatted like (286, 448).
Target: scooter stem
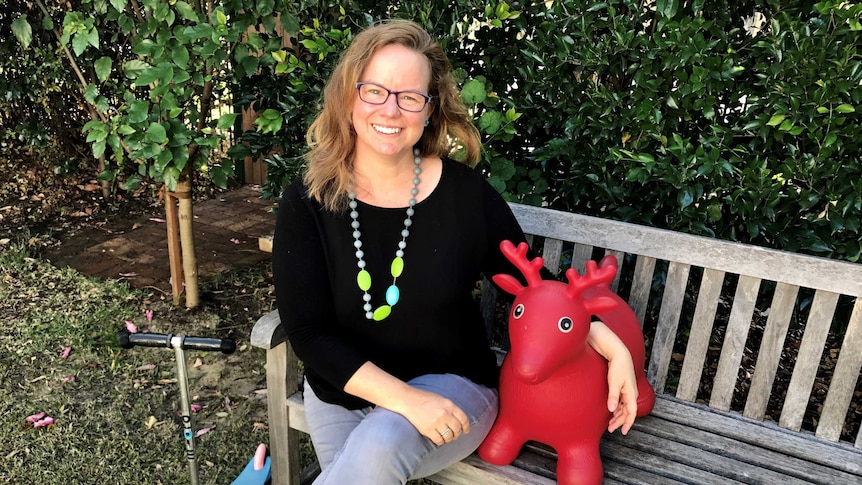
(183, 383)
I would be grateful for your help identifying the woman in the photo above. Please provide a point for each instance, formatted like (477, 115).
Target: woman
(376, 254)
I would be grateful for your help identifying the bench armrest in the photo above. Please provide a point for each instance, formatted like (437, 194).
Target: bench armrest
(264, 328)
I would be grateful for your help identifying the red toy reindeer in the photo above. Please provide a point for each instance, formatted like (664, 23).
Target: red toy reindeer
(553, 385)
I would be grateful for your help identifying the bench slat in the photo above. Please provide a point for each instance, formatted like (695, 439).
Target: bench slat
(666, 453)
(641, 286)
(668, 321)
(473, 470)
(763, 434)
(771, 347)
(701, 329)
(620, 257)
(734, 342)
(808, 360)
(760, 262)
(552, 254)
(581, 253)
(728, 457)
(843, 382)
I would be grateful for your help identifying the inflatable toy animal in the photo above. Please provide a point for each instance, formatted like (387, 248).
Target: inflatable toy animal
(553, 385)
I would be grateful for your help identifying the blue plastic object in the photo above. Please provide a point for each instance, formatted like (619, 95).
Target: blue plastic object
(250, 476)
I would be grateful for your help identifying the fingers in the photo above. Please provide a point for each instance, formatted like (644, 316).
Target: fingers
(451, 427)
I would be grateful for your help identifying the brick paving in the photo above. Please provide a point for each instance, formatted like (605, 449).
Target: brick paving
(226, 231)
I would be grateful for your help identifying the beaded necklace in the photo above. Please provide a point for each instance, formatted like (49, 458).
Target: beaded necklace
(363, 279)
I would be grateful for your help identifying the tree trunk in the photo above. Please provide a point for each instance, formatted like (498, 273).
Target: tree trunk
(187, 243)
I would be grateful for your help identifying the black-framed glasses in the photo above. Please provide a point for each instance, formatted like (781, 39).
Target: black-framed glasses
(413, 101)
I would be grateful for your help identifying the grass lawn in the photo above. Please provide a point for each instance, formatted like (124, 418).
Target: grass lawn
(116, 411)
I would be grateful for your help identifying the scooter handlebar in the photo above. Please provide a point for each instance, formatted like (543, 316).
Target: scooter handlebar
(223, 345)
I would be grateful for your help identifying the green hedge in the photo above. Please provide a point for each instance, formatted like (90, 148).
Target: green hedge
(735, 121)
(740, 122)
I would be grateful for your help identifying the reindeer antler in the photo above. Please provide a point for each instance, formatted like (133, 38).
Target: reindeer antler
(594, 276)
(518, 257)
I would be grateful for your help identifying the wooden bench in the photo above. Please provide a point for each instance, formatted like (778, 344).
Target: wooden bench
(723, 322)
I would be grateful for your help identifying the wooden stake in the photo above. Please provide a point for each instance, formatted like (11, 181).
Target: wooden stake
(187, 243)
(174, 255)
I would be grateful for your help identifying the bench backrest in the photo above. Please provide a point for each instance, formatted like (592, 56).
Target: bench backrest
(723, 321)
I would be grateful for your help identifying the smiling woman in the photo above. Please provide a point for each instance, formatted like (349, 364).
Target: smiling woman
(400, 379)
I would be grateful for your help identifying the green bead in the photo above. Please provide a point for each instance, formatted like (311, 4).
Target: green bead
(382, 312)
(363, 279)
(397, 267)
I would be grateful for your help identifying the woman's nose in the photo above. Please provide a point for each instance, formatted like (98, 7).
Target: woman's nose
(390, 106)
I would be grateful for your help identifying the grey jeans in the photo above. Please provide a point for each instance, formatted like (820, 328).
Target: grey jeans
(375, 446)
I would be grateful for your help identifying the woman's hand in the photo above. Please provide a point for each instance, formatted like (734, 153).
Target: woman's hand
(622, 384)
(433, 415)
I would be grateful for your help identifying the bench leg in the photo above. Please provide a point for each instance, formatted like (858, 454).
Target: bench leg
(283, 440)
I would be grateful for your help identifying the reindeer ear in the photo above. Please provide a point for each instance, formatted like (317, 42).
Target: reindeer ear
(609, 260)
(600, 304)
(508, 283)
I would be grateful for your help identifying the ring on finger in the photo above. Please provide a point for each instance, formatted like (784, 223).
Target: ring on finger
(445, 432)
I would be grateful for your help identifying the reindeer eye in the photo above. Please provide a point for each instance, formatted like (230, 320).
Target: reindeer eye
(518, 312)
(565, 324)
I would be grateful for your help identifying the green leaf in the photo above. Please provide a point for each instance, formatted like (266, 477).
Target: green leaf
(90, 93)
(219, 177)
(265, 7)
(186, 11)
(776, 120)
(103, 68)
(290, 23)
(226, 121)
(156, 133)
(490, 122)
(107, 175)
(171, 177)
(831, 138)
(132, 69)
(133, 182)
(180, 56)
(138, 111)
(93, 37)
(119, 5)
(149, 75)
(22, 30)
(79, 44)
(845, 108)
(125, 130)
(473, 92)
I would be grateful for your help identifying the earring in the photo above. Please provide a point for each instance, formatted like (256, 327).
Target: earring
(427, 122)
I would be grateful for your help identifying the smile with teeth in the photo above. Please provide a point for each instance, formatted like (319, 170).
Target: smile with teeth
(386, 130)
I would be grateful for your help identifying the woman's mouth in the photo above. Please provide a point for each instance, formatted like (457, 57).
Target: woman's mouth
(386, 130)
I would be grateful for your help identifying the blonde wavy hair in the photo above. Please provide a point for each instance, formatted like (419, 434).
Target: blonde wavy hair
(331, 137)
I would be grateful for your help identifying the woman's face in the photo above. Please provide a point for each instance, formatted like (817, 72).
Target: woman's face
(385, 129)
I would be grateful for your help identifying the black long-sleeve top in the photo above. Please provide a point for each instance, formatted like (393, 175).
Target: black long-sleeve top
(435, 328)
